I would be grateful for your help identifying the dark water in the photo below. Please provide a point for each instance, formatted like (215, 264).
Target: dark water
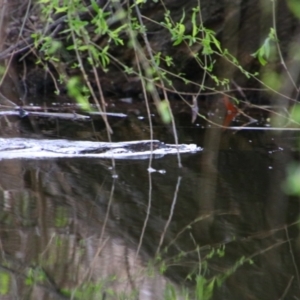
(76, 229)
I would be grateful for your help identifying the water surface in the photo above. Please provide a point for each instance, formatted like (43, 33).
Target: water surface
(77, 228)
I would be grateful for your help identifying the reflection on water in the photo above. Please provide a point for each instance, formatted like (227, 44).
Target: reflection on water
(71, 230)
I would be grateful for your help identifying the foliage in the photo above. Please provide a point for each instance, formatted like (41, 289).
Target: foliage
(121, 27)
(203, 283)
(86, 37)
(263, 54)
(5, 280)
(91, 36)
(81, 39)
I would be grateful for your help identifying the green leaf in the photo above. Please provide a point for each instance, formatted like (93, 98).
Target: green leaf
(104, 57)
(4, 283)
(181, 29)
(194, 23)
(169, 61)
(294, 6)
(95, 6)
(83, 48)
(206, 44)
(295, 113)
(71, 47)
(178, 41)
(217, 43)
(165, 111)
(291, 186)
(137, 2)
(61, 9)
(264, 52)
(76, 90)
(267, 48)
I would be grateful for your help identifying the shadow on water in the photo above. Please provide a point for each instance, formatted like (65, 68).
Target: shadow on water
(70, 229)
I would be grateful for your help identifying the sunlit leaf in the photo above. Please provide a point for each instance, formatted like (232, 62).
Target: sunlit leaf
(4, 283)
(61, 9)
(137, 2)
(216, 42)
(83, 48)
(295, 113)
(272, 79)
(181, 29)
(164, 111)
(95, 6)
(75, 90)
(291, 186)
(294, 6)
(194, 23)
(178, 41)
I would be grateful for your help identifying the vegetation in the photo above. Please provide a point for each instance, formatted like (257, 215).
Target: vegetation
(87, 38)
(82, 45)
(109, 287)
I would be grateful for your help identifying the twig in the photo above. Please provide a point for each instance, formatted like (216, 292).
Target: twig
(170, 216)
(292, 255)
(278, 48)
(287, 288)
(157, 101)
